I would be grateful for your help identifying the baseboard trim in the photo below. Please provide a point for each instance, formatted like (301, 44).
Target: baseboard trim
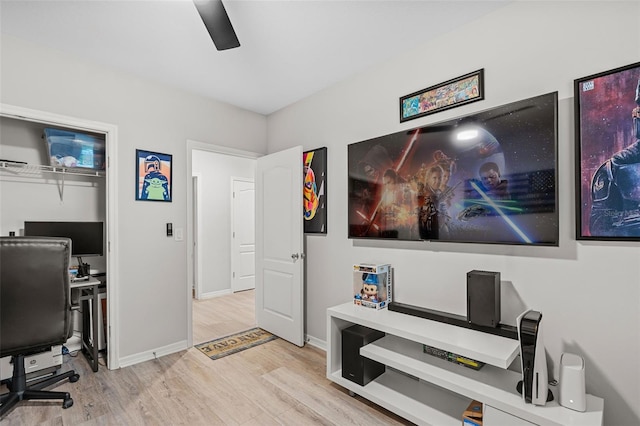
(152, 354)
(212, 294)
(320, 344)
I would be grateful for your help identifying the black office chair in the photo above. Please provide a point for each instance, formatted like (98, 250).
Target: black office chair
(35, 311)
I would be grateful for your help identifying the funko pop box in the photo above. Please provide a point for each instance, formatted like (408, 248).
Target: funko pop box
(372, 285)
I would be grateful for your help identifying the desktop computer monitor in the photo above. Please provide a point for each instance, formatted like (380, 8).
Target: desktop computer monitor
(87, 238)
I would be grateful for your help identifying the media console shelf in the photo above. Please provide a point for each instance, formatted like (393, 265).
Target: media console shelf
(428, 390)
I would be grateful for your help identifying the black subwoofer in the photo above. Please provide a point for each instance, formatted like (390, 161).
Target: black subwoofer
(355, 367)
(483, 298)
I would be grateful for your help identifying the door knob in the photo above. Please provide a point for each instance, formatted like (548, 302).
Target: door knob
(295, 256)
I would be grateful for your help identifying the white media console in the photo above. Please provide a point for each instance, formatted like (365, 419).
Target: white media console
(428, 390)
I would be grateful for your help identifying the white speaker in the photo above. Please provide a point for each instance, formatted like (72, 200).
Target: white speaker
(572, 388)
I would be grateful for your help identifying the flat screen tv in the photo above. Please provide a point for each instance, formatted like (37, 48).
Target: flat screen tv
(489, 177)
(87, 238)
(71, 149)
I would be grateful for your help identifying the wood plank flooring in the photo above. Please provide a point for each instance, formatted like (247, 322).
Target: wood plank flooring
(222, 316)
(276, 383)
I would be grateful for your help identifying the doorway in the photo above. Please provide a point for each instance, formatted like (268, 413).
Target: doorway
(110, 132)
(209, 242)
(223, 315)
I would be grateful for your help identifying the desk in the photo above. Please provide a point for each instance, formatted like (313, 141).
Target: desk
(88, 292)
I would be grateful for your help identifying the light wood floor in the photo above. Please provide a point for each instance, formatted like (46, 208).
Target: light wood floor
(276, 383)
(222, 316)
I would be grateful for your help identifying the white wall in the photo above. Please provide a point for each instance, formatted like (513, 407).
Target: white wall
(588, 292)
(152, 302)
(214, 173)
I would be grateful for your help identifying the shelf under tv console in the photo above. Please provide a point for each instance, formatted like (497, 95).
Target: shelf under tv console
(428, 390)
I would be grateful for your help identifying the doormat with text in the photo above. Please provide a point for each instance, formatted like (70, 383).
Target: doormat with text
(235, 343)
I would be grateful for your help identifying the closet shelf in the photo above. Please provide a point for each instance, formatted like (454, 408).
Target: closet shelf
(24, 169)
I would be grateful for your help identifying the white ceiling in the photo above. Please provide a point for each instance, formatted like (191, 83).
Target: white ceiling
(289, 49)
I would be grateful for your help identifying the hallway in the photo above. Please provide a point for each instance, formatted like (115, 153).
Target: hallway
(222, 316)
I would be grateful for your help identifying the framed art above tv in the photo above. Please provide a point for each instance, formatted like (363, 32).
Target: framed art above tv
(489, 177)
(450, 94)
(607, 108)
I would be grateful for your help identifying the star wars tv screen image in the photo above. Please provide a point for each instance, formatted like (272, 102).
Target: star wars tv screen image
(607, 108)
(489, 177)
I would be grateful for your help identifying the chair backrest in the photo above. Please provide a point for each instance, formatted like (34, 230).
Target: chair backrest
(35, 307)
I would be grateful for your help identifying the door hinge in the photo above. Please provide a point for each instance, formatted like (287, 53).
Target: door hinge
(234, 274)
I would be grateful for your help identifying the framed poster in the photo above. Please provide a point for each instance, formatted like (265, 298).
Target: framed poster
(314, 197)
(607, 108)
(449, 94)
(153, 176)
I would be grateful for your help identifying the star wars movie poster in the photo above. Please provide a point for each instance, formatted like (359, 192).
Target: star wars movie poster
(608, 150)
(153, 176)
(488, 177)
(314, 197)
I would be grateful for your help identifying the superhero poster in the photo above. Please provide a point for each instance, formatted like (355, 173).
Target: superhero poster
(314, 191)
(489, 177)
(607, 109)
(153, 176)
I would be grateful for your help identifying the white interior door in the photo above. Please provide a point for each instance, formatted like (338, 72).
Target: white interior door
(243, 235)
(279, 245)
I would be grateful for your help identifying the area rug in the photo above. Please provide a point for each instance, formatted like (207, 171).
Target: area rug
(235, 343)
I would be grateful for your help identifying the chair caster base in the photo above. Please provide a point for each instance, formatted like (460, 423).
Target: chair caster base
(67, 403)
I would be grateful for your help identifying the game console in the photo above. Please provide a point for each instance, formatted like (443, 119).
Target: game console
(534, 385)
(483, 298)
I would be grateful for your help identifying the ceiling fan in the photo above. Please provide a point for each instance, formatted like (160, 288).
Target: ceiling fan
(217, 21)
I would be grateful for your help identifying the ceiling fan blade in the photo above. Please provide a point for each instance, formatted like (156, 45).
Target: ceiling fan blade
(217, 21)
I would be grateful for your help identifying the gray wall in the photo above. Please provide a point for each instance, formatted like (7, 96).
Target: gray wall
(588, 292)
(152, 302)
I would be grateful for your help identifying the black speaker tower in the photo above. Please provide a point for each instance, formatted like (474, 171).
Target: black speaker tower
(355, 367)
(483, 298)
